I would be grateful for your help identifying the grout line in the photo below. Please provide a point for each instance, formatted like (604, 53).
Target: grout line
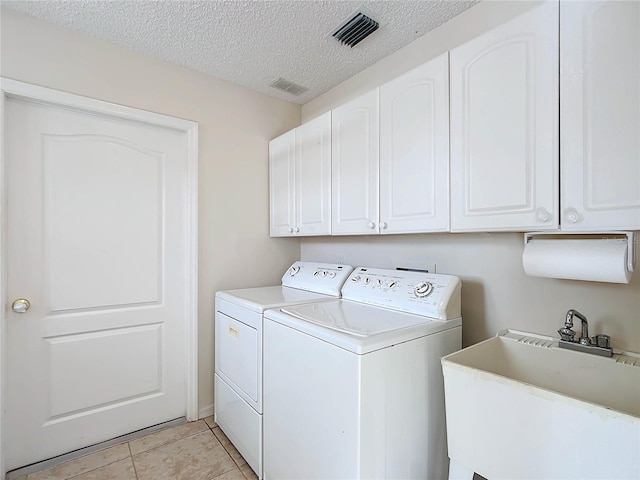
(135, 472)
(169, 442)
(82, 452)
(94, 469)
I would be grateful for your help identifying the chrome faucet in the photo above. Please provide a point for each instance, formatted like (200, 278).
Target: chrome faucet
(599, 344)
(584, 331)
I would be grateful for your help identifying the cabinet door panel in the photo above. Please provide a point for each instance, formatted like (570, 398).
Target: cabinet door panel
(281, 185)
(313, 176)
(600, 115)
(414, 150)
(354, 166)
(504, 126)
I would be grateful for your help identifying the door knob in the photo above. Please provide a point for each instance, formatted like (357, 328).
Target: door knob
(20, 305)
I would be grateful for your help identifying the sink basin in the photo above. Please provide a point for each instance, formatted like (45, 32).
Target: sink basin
(518, 406)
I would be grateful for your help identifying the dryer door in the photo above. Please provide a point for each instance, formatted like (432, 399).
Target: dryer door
(239, 357)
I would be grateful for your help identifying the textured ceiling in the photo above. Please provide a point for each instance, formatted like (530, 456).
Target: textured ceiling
(251, 42)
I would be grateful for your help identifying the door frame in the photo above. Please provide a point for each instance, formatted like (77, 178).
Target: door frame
(25, 91)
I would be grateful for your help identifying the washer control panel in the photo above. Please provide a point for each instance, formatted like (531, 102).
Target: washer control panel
(316, 277)
(428, 294)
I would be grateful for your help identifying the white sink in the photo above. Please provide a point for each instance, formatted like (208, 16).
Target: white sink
(520, 407)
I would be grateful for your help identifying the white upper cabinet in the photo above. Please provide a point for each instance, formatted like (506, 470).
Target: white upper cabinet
(313, 177)
(600, 115)
(300, 180)
(504, 126)
(414, 150)
(390, 156)
(354, 166)
(281, 185)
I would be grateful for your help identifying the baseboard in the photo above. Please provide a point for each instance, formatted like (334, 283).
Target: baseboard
(205, 412)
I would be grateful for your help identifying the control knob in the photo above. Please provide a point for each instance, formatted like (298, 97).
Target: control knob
(294, 270)
(423, 289)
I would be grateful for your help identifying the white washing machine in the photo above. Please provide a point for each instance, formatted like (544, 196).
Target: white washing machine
(238, 347)
(353, 388)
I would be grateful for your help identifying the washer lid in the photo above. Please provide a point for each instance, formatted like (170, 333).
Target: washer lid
(262, 298)
(354, 318)
(357, 327)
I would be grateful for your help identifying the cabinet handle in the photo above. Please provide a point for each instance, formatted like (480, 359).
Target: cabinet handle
(290, 229)
(542, 215)
(383, 225)
(571, 215)
(297, 229)
(371, 225)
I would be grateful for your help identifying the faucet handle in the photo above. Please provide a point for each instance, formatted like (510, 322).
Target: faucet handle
(603, 341)
(586, 341)
(567, 334)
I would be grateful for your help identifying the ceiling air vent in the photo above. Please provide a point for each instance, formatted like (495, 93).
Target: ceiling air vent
(287, 86)
(356, 29)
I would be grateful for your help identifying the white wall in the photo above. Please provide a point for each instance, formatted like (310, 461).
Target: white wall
(235, 125)
(496, 293)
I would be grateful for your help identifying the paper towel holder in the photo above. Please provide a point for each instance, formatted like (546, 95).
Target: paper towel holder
(630, 236)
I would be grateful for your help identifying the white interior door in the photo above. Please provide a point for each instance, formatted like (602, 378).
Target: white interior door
(97, 230)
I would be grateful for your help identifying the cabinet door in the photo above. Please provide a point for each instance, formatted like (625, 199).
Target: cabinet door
(504, 126)
(354, 166)
(600, 115)
(414, 150)
(313, 177)
(281, 185)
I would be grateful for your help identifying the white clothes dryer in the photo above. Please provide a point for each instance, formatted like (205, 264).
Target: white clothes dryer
(238, 348)
(353, 388)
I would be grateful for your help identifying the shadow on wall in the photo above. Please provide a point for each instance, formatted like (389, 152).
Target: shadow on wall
(474, 324)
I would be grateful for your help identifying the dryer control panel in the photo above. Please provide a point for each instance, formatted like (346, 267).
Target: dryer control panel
(326, 278)
(429, 294)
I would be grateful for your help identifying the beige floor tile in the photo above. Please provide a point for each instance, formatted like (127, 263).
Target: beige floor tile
(228, 446)
(82, 465)
(198, 457)
(122, 470)
(211, 422)
(167, 436)
(234, 474)
(248, 473)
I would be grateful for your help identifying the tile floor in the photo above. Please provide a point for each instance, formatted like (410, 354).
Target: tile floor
(190, 451)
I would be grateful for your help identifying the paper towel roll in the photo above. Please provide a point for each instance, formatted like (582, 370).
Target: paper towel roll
(597, 260)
